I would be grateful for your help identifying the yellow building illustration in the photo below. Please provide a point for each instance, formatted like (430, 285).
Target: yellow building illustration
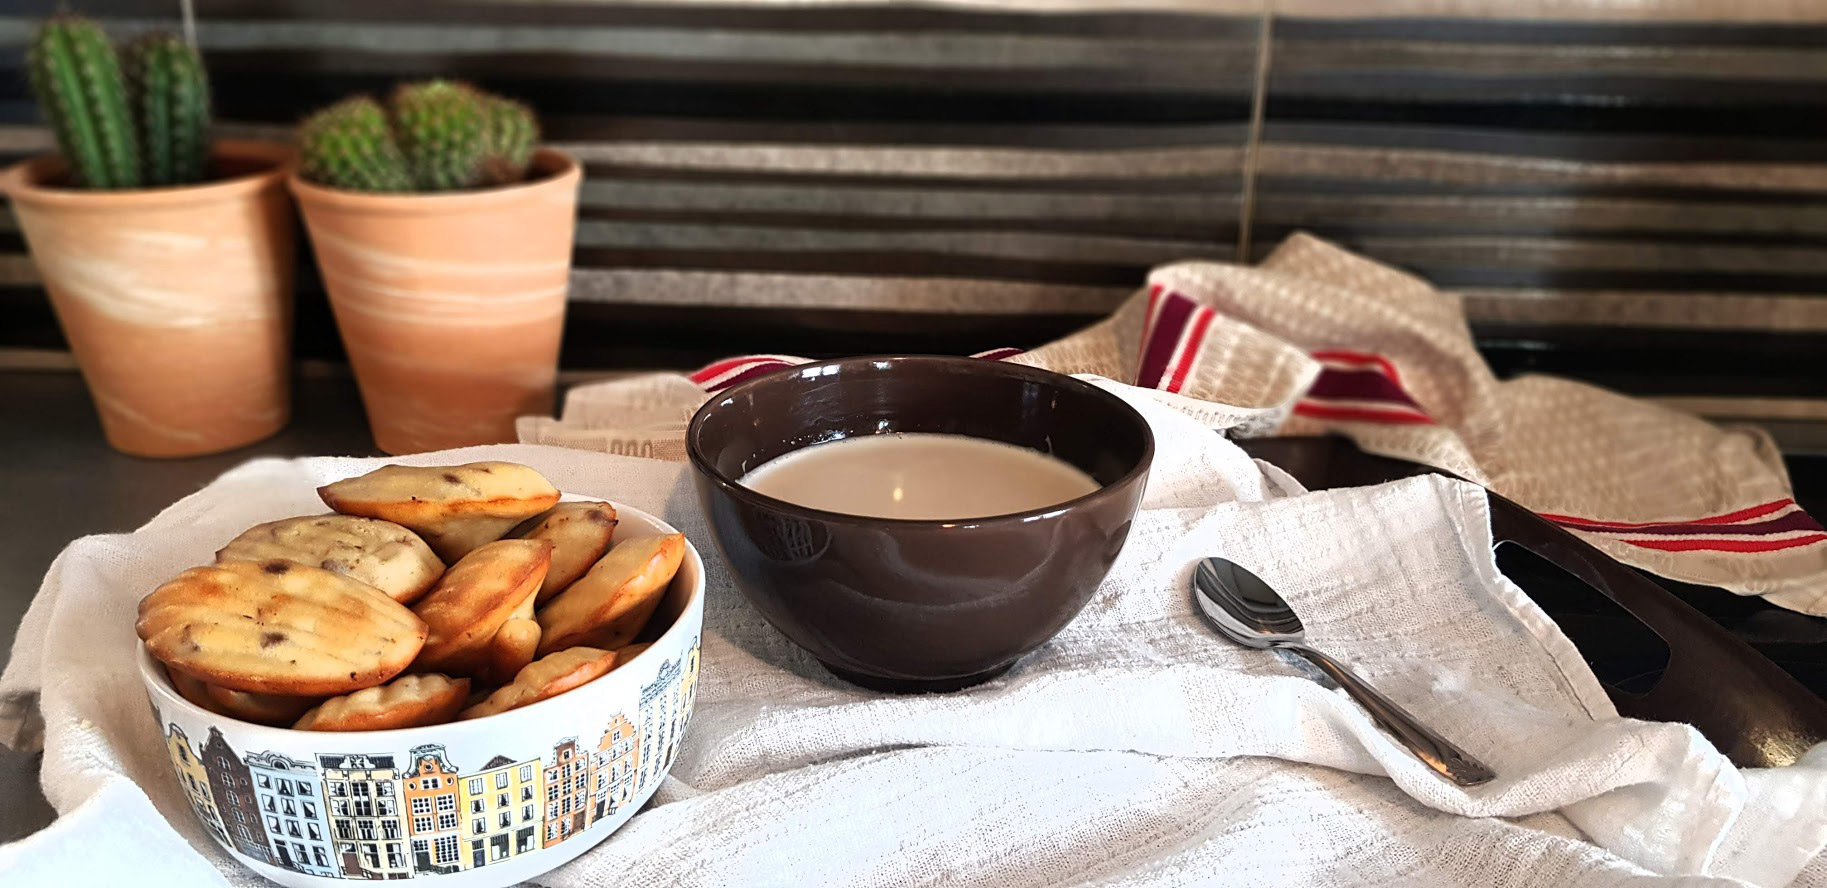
(613, 768)
(501, 810)
(688, 681)
(365, 819)
(195, 780)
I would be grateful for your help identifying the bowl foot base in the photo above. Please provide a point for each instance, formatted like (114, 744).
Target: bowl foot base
(915, 685)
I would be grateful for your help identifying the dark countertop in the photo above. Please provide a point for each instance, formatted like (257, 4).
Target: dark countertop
(62, 481)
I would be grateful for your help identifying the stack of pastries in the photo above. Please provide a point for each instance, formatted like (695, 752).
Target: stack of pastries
(430, 594)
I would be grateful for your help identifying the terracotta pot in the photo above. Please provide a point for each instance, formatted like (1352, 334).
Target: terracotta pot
(450, 305)
(176, 301)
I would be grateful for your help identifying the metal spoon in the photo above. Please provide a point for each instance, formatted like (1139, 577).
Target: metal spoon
(1245, 610)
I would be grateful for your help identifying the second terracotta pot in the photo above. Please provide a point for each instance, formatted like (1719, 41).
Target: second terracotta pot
(451, 306)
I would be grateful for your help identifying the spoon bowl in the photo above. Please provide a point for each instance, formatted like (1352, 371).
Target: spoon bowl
(1251, 613)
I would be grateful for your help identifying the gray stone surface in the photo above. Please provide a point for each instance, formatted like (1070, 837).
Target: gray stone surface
(61, 481)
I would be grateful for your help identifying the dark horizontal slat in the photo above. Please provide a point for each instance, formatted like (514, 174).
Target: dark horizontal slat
(1269, 231)
(1755, 119)
(272, 95)
(1590, 94)
(545, 72)
(870, 263)
(1582, 279)
(1226, 185)
(1003, 134)
(649, 336)
(734, 16)
(1346, 186)
(1504, 139)
(1663, 362)
(1217, 231)
(1470, 29)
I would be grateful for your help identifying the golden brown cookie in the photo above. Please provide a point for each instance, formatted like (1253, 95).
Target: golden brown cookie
(628, 652)
(410, 701)
(608, 607)
(511, 650)
(380, 553)
(580, 533)
(194, 690)
(278, 627)
(487, 588)
(455, 508)
(545, 678)
(261, 709)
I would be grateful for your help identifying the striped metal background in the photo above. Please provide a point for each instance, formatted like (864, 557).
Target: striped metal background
(1643, 204)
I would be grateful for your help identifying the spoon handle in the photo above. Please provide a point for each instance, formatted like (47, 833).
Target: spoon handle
(1432, 749)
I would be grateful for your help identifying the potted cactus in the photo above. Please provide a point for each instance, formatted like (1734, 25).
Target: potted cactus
(168, 259)
(444, 238)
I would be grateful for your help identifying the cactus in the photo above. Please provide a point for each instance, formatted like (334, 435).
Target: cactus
(349, 145)
(439, 135)
(78, 83)
(439, 125)
(509, 134)
(170, 96)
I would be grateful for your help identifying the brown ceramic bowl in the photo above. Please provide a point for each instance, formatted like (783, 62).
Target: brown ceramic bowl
(918, 605)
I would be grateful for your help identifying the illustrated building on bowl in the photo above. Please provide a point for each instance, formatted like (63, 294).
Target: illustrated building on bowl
(432, 798)
(292, 812)
(614, 768)
(501, 810)
(233, 790)
(567, 796)
(661, 720)
(195, 780)
(370, 836)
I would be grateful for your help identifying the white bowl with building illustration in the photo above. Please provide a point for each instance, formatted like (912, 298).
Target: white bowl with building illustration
(486, 802)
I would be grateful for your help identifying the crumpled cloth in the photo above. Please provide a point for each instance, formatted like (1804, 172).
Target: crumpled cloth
(1136, 748)
(1317, 339)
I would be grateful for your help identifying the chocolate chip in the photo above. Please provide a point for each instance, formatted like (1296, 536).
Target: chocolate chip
(452, 478)
(268, 639)
(275, 567)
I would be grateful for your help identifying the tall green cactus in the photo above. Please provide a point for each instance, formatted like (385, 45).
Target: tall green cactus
(440, 127)
(170, 96)
(349, 145)
(509, 134)
(439, 135)
(78, 83)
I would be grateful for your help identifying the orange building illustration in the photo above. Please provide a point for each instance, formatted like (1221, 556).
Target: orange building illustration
(613, 768)
(430, 791)
(567, 781)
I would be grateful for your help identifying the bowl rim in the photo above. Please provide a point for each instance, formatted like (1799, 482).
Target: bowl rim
(152, 672)
(735, 488)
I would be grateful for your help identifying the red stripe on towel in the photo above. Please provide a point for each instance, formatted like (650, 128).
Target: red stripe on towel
(1741, 546)
(1728, 518)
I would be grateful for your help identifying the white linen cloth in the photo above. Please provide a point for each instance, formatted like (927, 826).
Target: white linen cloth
(1136, 748)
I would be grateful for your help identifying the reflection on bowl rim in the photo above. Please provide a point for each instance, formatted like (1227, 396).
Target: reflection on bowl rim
(152, 672)
(740, 491)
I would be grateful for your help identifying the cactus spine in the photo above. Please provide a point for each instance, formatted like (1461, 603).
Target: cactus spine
(439, 125)
(78, 83)
(170, 96)
(509, 136)
(349, 145)
(438, 135)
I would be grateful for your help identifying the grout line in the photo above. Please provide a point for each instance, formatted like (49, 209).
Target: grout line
(1246, 211)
